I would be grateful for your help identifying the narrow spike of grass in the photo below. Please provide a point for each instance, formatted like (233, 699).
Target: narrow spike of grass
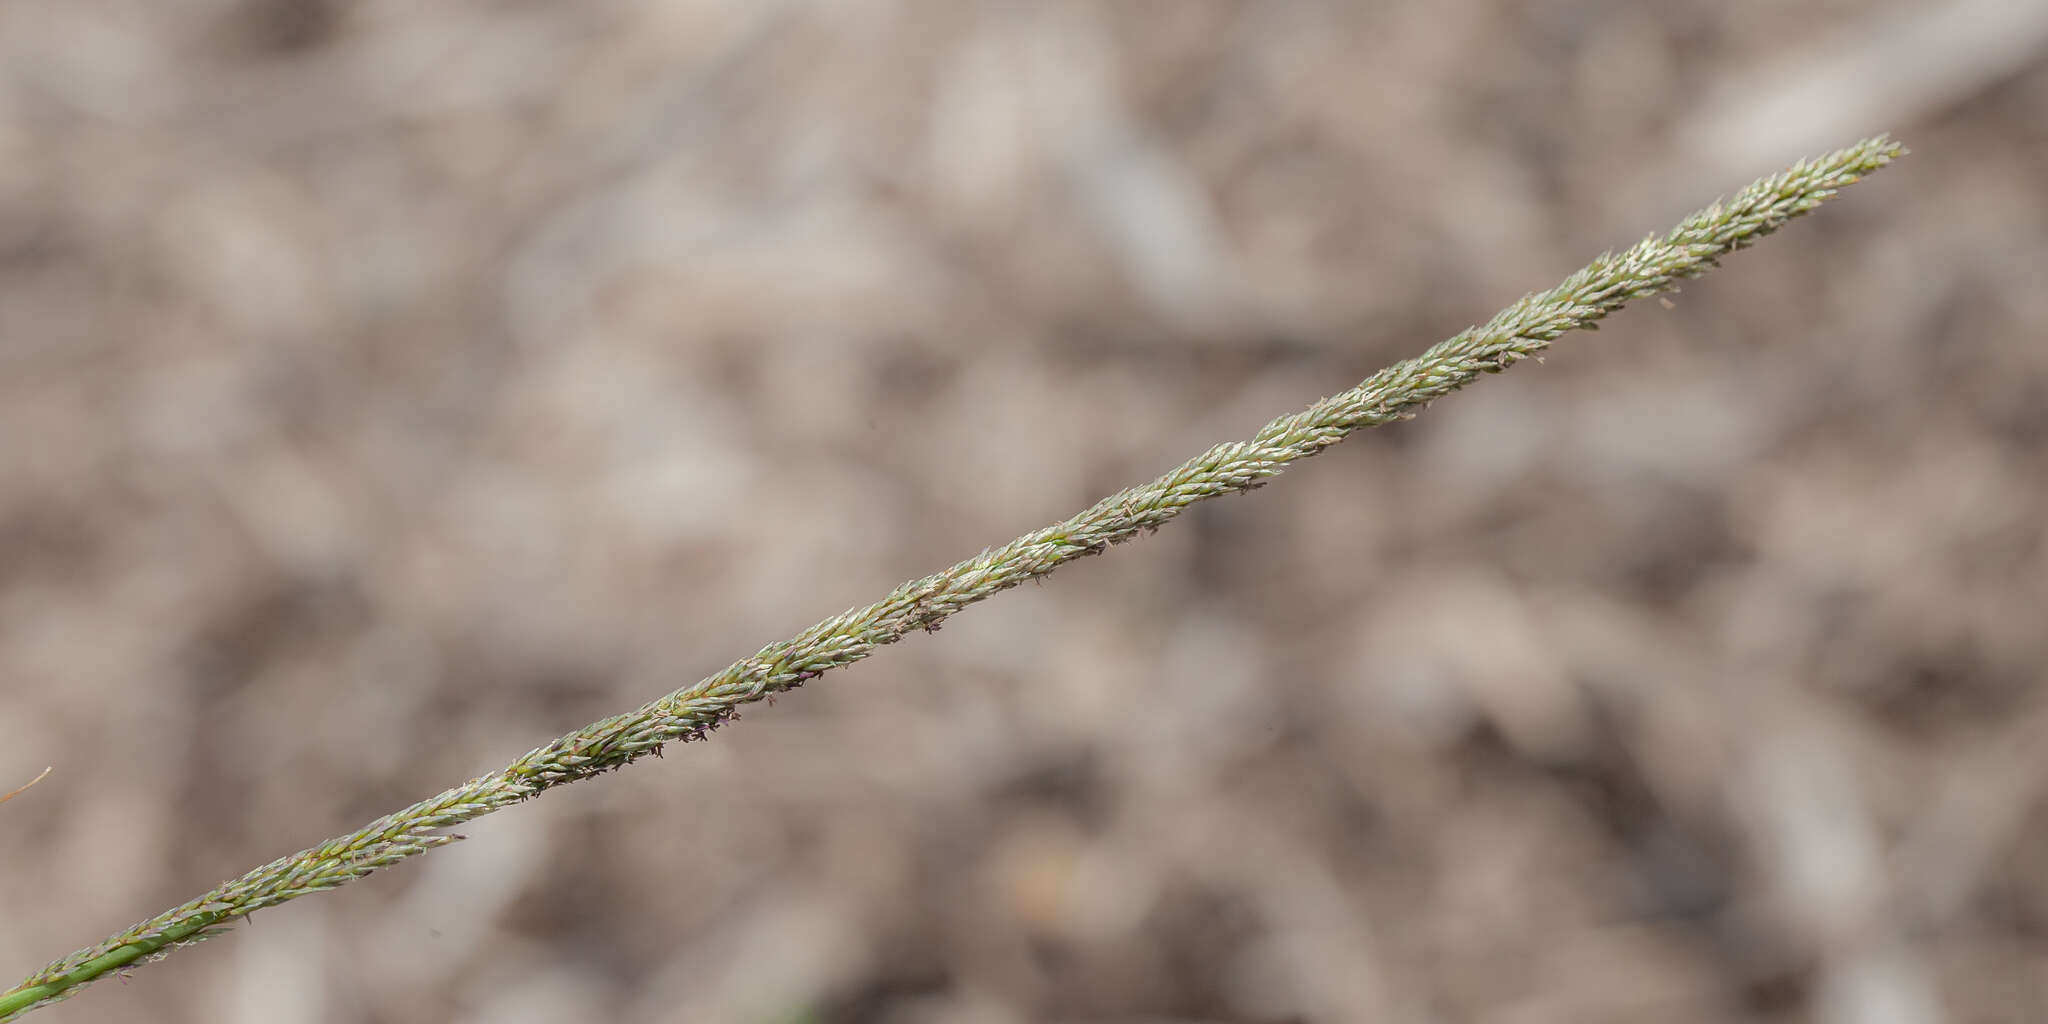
(1397, 392)
(18, 790)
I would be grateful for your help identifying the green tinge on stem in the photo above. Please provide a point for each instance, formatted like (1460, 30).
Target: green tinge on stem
(1518, 332)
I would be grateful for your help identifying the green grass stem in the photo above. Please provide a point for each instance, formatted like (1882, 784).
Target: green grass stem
(1397, 392)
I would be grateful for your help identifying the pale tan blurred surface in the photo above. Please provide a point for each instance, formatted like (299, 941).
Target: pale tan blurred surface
(386, 388)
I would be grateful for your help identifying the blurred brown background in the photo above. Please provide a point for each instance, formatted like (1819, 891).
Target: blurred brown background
(386, 388)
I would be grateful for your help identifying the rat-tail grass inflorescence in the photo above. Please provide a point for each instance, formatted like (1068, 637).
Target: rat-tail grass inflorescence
(1397, 392)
